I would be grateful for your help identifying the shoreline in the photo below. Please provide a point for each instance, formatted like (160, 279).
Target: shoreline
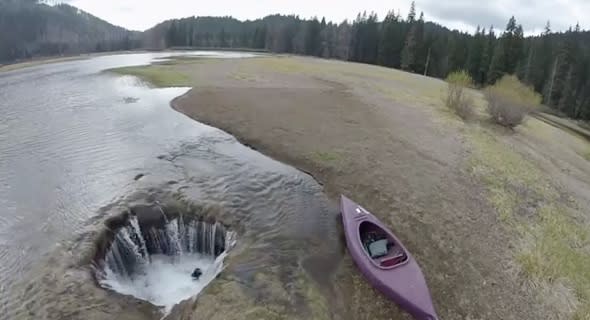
(252, 144)
(56, 59)
(278, 126)
(383, 137)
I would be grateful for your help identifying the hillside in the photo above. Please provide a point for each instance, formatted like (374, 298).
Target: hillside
(556, 64)
(30, 29)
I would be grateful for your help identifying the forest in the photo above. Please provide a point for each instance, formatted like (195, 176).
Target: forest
(556, 64)
(29, 28)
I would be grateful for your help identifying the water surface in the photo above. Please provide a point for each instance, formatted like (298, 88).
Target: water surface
(74, 139)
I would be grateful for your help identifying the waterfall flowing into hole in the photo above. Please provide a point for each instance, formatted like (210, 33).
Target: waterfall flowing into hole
(156, 263)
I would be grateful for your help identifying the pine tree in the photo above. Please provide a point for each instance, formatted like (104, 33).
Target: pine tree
(458, 51)
(390, 39)
(170, 35)
(508, 52)
(312, 38)
(543, 62)
(260, 38)
(513, 44)
(222, 38)
(568, 93)
(567, 79)
(524, 69)
(583, 102)
(419, 52)
(497, 65)
(475, 54)
(412, 13)
(372, 39)
(356, 41)
(408, 56)
(486, 56)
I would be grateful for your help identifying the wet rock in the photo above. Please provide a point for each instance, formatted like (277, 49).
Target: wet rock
(153, 215)
(197, 274)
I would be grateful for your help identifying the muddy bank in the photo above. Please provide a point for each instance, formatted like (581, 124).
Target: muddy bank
(282, 263)
(63, 285)
(398, 160)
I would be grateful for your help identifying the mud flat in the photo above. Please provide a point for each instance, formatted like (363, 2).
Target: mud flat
(479, 206)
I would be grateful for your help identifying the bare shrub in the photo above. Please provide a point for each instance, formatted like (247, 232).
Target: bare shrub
(457, 99)
(510, 101)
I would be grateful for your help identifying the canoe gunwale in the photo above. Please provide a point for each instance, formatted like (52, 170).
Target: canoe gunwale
(370, 219)
(404, 283)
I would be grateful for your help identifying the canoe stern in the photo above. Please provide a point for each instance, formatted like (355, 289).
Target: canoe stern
(405, 284)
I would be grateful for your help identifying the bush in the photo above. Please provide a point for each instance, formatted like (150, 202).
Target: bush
(510, 101)
(457, 99)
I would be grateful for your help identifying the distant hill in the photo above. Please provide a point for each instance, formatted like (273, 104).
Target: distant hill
(29, 28)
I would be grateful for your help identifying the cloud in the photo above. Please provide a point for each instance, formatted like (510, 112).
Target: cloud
(532, 14)
(461, 14)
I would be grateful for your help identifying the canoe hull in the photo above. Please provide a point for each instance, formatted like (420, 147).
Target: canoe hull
(404, 284)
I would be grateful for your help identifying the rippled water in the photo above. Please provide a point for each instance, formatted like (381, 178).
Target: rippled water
(73, 139)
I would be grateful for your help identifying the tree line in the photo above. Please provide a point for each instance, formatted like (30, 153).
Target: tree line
(556, 64)
(30, 28)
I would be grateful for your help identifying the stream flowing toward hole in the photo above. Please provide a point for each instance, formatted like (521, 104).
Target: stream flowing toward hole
(81, 146)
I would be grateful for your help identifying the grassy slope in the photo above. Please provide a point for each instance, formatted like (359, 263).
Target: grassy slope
(157, 75)
(552, 249)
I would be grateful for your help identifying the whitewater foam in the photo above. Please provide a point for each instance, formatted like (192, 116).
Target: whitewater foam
(156, 264)
(167, 280)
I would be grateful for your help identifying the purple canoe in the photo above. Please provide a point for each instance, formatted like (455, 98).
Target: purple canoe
(385, 262)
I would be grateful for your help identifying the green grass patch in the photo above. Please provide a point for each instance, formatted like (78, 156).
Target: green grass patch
(557, 248)
(243, 77)
(326, 157)
(318, 306)
(504, 169)
(185, 60)
(554, 248)
(157, 75)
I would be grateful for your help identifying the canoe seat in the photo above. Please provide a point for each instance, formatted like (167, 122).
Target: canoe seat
(378, 248)
(393, 259)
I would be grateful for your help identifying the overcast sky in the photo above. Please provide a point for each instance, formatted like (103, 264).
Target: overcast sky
(457, 14)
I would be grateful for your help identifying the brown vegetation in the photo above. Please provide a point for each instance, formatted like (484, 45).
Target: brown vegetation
(510, 101)
(457, 98)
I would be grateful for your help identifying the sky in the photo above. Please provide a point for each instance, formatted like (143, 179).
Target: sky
(463, 15)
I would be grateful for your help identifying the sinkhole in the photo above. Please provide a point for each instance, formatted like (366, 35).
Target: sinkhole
(161, 256)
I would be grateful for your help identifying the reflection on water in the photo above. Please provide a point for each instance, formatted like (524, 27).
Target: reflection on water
(73, 139)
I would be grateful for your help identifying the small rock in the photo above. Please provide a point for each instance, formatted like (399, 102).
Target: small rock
(196, 274)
